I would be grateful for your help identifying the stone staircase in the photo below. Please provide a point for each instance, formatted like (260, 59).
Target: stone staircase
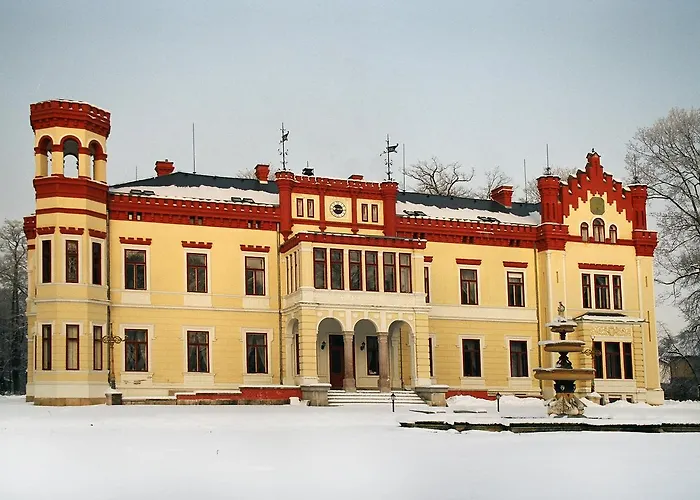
(373, 397)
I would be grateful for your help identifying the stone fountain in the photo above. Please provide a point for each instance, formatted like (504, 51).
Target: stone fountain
(564, 375)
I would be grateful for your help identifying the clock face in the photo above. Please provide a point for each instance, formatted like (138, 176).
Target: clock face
(597, 205)
(338, 209)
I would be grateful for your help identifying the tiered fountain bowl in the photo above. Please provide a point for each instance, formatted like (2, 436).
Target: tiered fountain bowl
(564, 375)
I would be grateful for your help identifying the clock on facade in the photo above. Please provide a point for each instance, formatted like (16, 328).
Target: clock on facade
(597, 205)
(338, 209)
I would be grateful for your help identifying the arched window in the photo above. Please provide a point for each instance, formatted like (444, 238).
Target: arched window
(584, 231)
(70, 157)
(96, 153)
(598, 230)
(613, 233)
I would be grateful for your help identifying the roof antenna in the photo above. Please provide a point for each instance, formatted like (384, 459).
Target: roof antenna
(194, 162)
(547, 170)
(387, 161)
(283, 152)
(403, 152)
(137, 172)
(525, 174)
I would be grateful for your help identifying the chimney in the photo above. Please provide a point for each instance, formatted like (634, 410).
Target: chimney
(262, 172)
(164, 167)
(503, 195)
(356, 177)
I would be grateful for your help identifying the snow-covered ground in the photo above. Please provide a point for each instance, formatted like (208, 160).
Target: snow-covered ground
(290, 452)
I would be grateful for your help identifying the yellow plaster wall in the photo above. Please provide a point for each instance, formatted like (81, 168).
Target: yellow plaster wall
(611, 216)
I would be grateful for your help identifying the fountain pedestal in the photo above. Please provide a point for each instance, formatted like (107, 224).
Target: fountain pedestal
(564, 375)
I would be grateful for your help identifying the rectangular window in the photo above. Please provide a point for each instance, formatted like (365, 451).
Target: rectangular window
(46, 347)
(72, 347)
(389, 269)
(617, 291)
(71, 261)
(96, 263)
(613, 368)
(405, 285)
(471, 358)
(256, 352)
(320, 268)
(135, 269)
(602, 291)
(289, 284)
(136, 350)
(46, 262)
(197, 272)
(337, 281)
(516, 289)
(598, 359)
(372, 271)
(468, 286)
(430, 355)
(518, 358)
(310, 208)
(355, 258)
(586, 291)
(375, 213)
(365, 212)
(372, 355)
(96, 347)
(198, 352)
(255, 276)
(295, 275)
(426, 283)
(627, 360)
(300, 207)
(297, 357)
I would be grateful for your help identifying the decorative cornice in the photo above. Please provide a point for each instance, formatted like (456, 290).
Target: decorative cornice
(71, 230)
(468, 262)
(601, 267)
(255, 248)
(68, 210)
(511, 263)
(95, 233)
(196, 244)
(46, 230)
(58, 186)
(427, 258)
(354, 240)
(134, 241)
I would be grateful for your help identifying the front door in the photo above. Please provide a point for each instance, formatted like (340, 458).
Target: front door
(336, 365)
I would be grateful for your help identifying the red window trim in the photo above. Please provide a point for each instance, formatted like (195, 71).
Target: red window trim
(601, 267)
(72, 230)
(197, 244)
(517, 265)
(134, 241)
(468, 262)
(310, 212)
(428, 258)
(365, 212)
(255, 248)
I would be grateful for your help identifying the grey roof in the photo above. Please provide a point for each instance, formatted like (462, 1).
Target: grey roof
(455, 202)
(186, 179)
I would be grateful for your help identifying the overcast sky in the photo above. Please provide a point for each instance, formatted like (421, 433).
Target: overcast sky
(483, 83)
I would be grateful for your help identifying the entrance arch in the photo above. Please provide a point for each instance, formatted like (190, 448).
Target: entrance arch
(402, 366)
(330, 352)
(366, 354)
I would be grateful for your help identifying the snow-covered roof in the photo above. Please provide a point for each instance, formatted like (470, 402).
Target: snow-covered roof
(601, 317)
(207, 193)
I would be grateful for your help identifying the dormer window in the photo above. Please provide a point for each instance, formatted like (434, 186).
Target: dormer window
(584, 231)
(613, 233)
(598, 230)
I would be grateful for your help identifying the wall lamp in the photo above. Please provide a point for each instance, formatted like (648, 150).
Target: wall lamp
(323, 345)
(362, 346)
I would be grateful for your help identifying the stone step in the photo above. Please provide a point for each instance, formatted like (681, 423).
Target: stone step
(373, 397)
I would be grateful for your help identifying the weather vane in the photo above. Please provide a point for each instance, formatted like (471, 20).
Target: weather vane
(283, 152)
(387, 161)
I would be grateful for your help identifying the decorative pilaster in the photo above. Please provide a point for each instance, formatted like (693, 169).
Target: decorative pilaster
(384, 382)
(349, 361)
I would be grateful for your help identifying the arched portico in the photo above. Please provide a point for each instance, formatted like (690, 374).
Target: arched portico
(330, 352)
(402, 367)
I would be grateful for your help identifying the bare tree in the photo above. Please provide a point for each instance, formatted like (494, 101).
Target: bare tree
(249, 173)
(681, 353)
(494, 178)
(13, 295)
(530, 192)
(445, 179)
(666, 157)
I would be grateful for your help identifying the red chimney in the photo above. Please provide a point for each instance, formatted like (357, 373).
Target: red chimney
(164, 167)
(503, 195)
(262, 172)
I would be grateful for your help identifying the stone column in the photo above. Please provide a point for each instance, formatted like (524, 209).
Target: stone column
(349, 361)
(384, 383)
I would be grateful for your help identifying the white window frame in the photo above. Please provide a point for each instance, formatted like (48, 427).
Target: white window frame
(147, 249)
(264, 255)
(204, 251)
(522, 271)
(460, 267)
(211, 330)
(256, 378)
(150, 337)
(610, 274)
(520, 338)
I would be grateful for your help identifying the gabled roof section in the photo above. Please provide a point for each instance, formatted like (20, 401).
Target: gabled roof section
(468, 209)
(183, 185)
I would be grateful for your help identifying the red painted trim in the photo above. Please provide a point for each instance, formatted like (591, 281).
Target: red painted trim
(644, 242)
(427, 258)
(66, 210)
(246, 394)
(474, 394)
(66, 187)
(552, 237)
(468, 262)
(354, 227)
(69, 114)
(359, 240)
(510, 263)
(255, 248)
(95, 233)
(134, 241)
(601, 267)
(72, 230)
(322, 210)
(196, 244)
(473, 233)
(29, 227)
(31, 246)
(46, 230)
(332, 224)
(66, 138)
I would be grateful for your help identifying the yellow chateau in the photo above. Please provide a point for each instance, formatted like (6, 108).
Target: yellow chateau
(195, 288)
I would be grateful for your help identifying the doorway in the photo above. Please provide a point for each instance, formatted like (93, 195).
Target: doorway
(336, 360)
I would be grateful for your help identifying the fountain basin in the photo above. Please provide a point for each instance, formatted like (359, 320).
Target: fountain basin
(564, 373)
(563, 345)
